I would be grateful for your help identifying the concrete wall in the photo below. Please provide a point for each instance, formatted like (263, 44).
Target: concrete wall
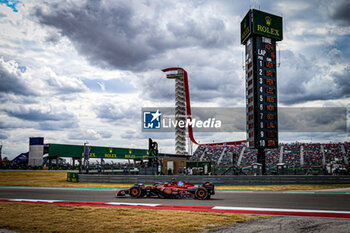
(35, 157)
(217, 180)
(36, 151)
(179, 163)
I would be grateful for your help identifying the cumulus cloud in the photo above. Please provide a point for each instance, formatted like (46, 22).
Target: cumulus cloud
(19, 81)
(113, 113)
(53, 125)
(138, 135)
(3, 136)
(121, 35)
(105, 134)
(12, 80)
(132, 134)
(342, 80)
(37, 115)
(341, 11)
(302, 79)
(60, 84)
(9, 124)
(88, 134)
(115, 85)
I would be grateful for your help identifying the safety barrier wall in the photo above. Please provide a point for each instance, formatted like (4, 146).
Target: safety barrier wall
(217, 180)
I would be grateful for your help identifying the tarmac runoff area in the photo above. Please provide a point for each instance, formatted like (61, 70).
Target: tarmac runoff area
(288, 225)
(6, 231)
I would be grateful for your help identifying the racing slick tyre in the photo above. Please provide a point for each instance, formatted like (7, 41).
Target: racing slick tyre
(135, 192)
(201, 193)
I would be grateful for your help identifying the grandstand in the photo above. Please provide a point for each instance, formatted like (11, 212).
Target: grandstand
(294, 155)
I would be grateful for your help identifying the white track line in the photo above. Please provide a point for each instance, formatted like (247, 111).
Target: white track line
(133, 204)
(209, 207)
(33, 200)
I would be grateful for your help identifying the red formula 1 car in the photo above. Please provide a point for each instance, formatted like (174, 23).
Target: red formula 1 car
(174, 189)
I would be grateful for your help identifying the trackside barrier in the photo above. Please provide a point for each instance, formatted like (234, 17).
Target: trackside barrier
(217, 180)
(72, 177)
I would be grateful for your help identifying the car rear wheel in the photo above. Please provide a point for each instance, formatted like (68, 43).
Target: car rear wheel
(135, 192)
(201, 193)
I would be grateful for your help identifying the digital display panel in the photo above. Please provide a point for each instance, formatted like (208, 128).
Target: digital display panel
(250, 91)
(266, 130)
(261, 92)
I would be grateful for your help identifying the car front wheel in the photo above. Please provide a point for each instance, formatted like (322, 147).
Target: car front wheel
(135, 192)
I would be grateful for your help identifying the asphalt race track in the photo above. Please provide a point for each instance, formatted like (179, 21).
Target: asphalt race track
(306, 201)
(317, 211)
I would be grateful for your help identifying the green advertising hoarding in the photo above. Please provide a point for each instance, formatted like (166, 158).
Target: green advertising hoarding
(77, 151)
(246, 28)
(73, 177)
(267, 25)
(261, 23)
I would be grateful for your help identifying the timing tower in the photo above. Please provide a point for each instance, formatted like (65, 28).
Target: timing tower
(259, 33)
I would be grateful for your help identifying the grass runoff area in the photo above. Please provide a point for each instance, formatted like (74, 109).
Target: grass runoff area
(25, 217)
(52, 218)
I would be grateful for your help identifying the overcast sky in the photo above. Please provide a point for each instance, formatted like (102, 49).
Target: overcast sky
(72, 71)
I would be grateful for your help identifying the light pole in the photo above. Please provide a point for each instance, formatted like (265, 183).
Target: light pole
(86, 156)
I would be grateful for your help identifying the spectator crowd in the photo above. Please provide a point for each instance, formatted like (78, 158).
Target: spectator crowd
(293, 154)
